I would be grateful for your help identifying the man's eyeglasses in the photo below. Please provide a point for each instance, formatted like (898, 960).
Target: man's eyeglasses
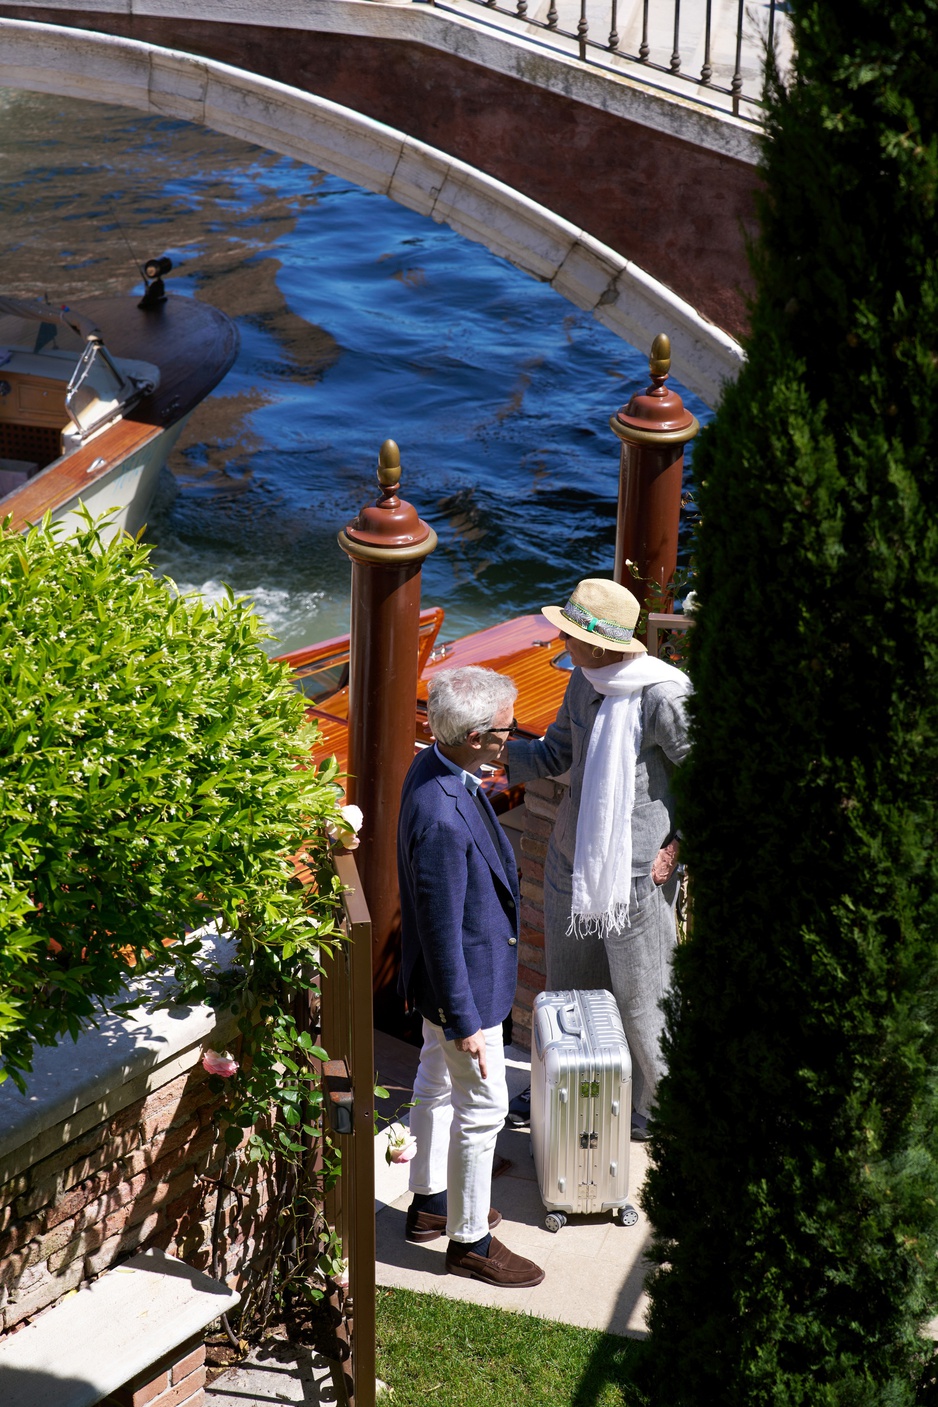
(510, 729)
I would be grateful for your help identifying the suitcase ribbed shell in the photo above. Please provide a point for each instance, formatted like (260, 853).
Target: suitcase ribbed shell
(581, 1102)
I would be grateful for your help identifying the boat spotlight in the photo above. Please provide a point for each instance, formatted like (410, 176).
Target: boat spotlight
(153, 271)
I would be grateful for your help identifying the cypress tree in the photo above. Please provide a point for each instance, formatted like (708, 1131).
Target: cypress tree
(795, 1197)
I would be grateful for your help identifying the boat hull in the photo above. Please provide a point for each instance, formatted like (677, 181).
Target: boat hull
(125, 490)
(117, 468)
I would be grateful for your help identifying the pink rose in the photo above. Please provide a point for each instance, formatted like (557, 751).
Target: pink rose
(401, 1149)
(219, 1062)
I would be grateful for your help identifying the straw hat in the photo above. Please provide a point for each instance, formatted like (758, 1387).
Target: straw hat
(600, 613)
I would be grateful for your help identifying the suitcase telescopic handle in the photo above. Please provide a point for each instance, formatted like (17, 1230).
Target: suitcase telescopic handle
(569, 1020)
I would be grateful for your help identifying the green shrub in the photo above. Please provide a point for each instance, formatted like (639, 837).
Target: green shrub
(150, 779)
(795, 1198)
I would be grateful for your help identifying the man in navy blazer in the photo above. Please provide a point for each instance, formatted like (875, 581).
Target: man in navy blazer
(460, 921)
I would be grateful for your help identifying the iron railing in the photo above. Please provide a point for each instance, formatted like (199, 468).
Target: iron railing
(714, 52)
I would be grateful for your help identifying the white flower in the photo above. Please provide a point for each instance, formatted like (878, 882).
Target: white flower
(345, 830)
(401, 1148)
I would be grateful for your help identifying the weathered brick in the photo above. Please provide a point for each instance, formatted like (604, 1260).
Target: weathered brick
(30, 1277)
(532, 873)
(179, 1111)
(140, 1394)
(200, 1142)
(122, 1245)
(122, 1194)
(521, 1033)
(531, 891)
(167, 1141)
(169, 1094)
(14, 1188)
(179, 1393)
(157, 1195)
(52, 1241)
(191, 1155)
(538, 826)
(47, 1291)
(126, 1121)
(39, 1198)
(78, 1247)
(17, 1234)
(542, 787)
(136, 1162)
(531, 981)
(198, 1095)
(198, 1399)
(532, 917)
(533, 848)
(71, 1154)
(189, 1364)
(521, 1022)
(69, 1204)
(14, 1267)
(182, 1218)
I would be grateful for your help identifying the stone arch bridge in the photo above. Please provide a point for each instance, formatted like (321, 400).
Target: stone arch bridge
(635, 204)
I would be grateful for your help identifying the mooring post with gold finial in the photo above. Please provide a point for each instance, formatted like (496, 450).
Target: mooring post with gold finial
(653, 428)
(387, 544)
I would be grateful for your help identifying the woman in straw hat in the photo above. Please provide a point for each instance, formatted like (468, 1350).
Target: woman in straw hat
(610, 882)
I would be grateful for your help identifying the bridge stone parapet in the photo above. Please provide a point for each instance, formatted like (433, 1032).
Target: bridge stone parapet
(665, 184)
(621, 295)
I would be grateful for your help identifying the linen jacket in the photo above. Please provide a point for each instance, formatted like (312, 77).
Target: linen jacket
(564, 747)
(460, 904)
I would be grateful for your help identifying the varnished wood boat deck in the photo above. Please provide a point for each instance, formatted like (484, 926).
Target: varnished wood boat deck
(523, 648)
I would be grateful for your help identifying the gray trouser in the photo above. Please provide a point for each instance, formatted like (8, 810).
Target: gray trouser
(634, 963)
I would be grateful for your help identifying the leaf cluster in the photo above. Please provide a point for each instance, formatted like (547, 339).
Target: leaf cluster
(152, 777)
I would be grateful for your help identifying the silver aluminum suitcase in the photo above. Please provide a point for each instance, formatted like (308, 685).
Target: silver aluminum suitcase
(581, 1106)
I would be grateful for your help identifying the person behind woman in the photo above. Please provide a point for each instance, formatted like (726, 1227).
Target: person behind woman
(610, 881)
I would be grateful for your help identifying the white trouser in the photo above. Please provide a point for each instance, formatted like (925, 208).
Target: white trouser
(455, 1120)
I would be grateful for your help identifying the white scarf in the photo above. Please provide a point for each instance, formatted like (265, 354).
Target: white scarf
(602, 865)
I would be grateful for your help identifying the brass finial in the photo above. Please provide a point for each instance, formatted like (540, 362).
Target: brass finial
(659, 363)
(389, 465)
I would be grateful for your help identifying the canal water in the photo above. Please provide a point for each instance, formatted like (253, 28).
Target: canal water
(359, 321)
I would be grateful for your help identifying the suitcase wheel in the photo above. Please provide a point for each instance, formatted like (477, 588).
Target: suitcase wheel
(627, 1216)
(555, 1220)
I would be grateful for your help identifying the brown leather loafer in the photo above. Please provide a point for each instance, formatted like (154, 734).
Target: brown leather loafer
(425, 1226)
(500, 1267)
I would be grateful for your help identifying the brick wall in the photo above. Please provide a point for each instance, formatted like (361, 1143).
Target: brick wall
(177, 1382)
(135, 1179)
(542, 797)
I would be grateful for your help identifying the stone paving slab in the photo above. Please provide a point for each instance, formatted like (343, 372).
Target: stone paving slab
(277, 1372)
(595, 1268)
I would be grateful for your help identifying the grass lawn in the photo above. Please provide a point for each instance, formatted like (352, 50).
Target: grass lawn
(446, 1353)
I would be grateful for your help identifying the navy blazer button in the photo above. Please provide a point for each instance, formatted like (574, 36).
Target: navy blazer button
(512, 942)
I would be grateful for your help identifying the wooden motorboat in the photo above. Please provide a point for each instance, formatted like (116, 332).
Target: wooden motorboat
(93, 396)
(528, 649)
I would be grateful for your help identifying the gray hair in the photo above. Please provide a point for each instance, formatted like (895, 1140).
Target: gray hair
(466, 700)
